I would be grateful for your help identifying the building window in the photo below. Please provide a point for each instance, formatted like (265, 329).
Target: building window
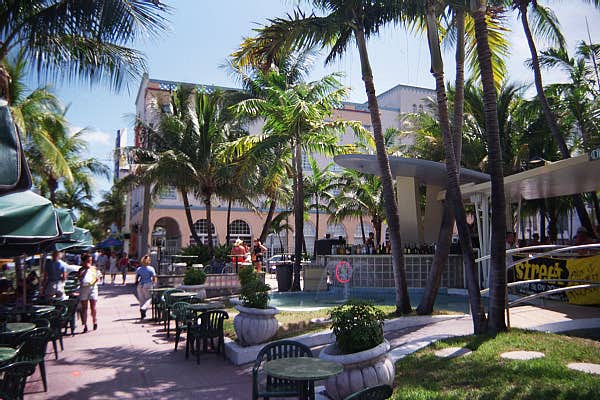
(239, 229)
(168, 193)
(336, 230)
(309, 237)
(201, 228)
(358, 239)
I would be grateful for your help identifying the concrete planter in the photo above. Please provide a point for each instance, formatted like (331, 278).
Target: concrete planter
(200, 290)
(361, 370)
(255, 325)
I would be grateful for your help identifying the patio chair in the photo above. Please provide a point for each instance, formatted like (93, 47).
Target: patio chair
(165, 308)
(379, 392)
(275, 387)
(56, 326)
(68, 318)
(33, 349)
(181, 315)
(208, 326)
(15, 375)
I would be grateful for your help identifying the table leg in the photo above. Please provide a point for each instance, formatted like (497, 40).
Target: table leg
(305, 392)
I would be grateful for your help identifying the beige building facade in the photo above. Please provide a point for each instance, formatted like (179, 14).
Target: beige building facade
(168, 224)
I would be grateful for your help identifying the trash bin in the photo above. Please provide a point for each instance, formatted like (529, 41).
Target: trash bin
(284, 276)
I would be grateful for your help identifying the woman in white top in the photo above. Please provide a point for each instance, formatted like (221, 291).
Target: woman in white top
(113, 269)
(88, 290)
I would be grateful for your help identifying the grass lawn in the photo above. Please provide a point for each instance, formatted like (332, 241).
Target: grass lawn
(294, 323)
(484, 375)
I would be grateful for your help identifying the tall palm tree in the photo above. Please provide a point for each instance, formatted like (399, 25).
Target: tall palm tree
(546, 23)
(111, 209)
(496, 321)
(74, 196)
(295, 124)
(343, 22)
(85, 40)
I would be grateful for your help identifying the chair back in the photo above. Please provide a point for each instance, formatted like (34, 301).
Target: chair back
(167, 296)
(12, 384)
(41, 323)
(211, 322)
(71, 305)
(55, 317)
(180, 311)
(33, 346)
(380, 392)
(276, 350)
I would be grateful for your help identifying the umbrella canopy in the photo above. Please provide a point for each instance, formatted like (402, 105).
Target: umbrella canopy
(110, 242)
(27, 217)
(14, 174)
(65, 221)
(79, 240)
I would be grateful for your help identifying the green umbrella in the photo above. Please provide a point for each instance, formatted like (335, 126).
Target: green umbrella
(14, 174)
(26, 217)
(65, 221)
(80, 239)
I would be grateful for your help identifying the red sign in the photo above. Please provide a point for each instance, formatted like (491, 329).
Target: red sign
(343, 272)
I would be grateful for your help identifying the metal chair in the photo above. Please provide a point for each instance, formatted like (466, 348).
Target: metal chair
(208, 326)
(33, 349)
(56, 326)
(166, 308)
(15, 375)
(68, 318)
(276, 387)
(379, 392)
(181, 315)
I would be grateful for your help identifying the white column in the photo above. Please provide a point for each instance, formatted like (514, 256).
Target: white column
(434, 209)
(409, 210)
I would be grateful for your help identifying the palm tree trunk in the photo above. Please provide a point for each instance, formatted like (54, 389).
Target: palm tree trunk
(551, 120)
(498, 248)
(267, 224)
(208, 207)
(444, 238)
(228, 234)
(362, 228)
(298, 213)
(4, 82)
(391, 208)
(52, 187)
(453, 187)
(145, 229)
(188, 215)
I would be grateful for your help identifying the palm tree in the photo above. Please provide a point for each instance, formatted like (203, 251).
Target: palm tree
(111, 209)
(547, 24)
(295, 124)
(343, 22)
(74, 196)
(496, 321)
(79, 39)
(317, 184)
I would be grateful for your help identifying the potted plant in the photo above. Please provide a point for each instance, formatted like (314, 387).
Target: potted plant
(360, 347)
(193, 281)
(256, 322)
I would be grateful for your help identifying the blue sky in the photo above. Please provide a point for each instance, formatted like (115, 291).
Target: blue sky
(203, 33)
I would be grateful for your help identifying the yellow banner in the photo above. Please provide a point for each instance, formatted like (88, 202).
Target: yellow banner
(587, 269)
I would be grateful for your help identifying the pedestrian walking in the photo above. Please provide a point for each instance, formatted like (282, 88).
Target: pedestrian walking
(88, 290)
(55, 276)
(113, 269)
(145, 277)
(124, 266)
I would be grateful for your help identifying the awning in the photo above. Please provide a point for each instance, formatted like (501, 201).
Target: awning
(79, 240)
(65, 221)
(14, 174)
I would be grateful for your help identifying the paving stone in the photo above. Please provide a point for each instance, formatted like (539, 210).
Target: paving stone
(522, 355)
(452, 352)
(588, 368)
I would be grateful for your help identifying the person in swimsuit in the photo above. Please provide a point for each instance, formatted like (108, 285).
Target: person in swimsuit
(258, 253)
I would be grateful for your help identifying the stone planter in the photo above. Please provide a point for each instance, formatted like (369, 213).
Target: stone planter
(200, 290)
(363, 369)
(255, 325)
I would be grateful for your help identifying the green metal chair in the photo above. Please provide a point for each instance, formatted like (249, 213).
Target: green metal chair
(33, 349)
(56, 326)
(15, 375)
(275, 387)
(166, 304)
(181, 314)
(67, 320)
(208, 326)
(380, 392)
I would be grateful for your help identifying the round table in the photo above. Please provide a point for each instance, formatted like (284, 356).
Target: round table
(15, 328)
(6, 354)
(302, 369)
(181, 295)
(202, 307)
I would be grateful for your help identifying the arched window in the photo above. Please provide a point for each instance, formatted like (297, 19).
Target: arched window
(358, 239)
(201, 227)
(336, 231)
(239, 229)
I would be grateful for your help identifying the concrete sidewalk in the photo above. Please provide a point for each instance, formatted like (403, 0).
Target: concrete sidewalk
(127, 358)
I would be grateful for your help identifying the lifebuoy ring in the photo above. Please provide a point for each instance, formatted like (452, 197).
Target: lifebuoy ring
(343, 272)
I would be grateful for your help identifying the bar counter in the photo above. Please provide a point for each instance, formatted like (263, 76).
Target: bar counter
(375, 271)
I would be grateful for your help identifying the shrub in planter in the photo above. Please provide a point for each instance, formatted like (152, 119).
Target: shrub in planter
(256, 322)
(194, 276)
(360, 347)
(199, 250)
(357, 325)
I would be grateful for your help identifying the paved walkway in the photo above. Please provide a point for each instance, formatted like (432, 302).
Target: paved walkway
(126, 358)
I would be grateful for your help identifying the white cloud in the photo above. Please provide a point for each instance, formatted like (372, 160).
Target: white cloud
(93, 136)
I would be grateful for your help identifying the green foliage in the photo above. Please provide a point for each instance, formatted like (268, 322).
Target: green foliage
(199, 250)
(357, 325)
(222, 252)
(254, 292)
(194, 276)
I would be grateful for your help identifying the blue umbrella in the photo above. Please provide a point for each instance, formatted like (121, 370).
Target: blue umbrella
(110, 242)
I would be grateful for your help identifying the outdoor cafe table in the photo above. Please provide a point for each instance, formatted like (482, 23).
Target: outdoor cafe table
(201, 307)
(12, 331)
(302, 369)
(27, 311)
(6, 354)
(179, 296)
